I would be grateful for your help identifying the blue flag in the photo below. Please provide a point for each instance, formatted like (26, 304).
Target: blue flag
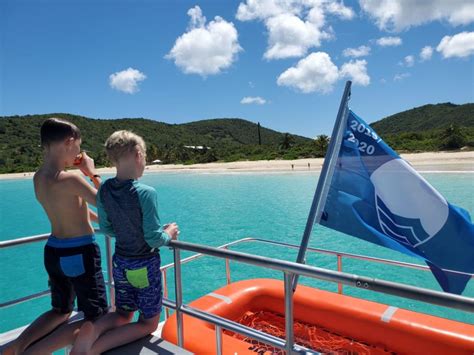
(377, 196)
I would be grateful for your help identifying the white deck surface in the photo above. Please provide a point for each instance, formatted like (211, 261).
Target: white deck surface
(152, 344)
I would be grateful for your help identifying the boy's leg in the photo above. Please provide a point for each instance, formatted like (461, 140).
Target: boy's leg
(90, 285)
(148, 299)
(125, 334)
(62, 299)
(61, 337)
(125, 304)
(42, 326)
(89, 332)
(140, 288)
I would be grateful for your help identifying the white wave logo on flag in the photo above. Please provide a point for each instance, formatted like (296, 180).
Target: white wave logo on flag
(402, 192)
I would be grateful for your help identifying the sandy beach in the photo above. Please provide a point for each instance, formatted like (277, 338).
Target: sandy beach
(423, 162)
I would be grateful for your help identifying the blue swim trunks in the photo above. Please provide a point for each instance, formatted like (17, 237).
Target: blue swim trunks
(138, 285)
(74, 270)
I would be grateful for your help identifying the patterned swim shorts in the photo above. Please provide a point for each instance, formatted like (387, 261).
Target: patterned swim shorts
(138, 285)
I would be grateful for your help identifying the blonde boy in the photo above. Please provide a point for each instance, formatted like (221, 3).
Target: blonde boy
(128, 211)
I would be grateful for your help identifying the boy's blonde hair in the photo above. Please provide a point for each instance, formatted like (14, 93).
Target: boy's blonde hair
(122, 143)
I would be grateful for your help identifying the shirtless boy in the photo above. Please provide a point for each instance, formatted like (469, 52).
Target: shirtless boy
(71, 257)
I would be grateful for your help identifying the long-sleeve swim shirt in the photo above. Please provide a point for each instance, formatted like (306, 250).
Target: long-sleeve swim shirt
(128, 211)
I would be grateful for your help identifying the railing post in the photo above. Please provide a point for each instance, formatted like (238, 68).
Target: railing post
(179, 295)
(165, 291)
(339, 268)
(227, 269)
(110, 277)
(289, 312)
(218, 340)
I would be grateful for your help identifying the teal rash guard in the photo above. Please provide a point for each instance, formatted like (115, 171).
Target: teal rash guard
(128, 211)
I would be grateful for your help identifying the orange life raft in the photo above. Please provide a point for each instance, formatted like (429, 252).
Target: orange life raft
(393, 329)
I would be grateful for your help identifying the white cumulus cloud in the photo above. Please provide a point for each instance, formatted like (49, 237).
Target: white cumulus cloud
(317, 73)
(389, 41)
(460, 45)
(339, 9)
(293, 26)
(263, 9)
(397, 15)
(197, 18)
(356, 70)
(400, 77)
(361, 51)
(205, 49)
(126, 80)
(409, 60)
(257, 100)
(426, 53)
(289, 36)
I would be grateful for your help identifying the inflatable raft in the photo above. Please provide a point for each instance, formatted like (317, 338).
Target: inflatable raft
(338, 322)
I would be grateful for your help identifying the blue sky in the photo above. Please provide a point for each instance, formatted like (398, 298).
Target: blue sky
(280, 62)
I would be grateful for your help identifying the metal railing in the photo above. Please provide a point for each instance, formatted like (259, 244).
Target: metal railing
(289, 269)
(338, 255)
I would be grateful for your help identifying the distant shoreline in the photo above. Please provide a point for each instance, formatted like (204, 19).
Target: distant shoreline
(422, 162)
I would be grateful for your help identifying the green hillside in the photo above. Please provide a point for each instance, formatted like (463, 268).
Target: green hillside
(228, 140)
(426, 128)
(235, 130)
(427, 117)
(443, 126)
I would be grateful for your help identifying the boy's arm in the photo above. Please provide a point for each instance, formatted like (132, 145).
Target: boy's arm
(93, 216)
(104, 223)
(87, 167)
(79, 187)
(154, 234)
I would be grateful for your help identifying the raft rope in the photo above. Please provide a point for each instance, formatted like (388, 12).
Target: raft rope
(308, 335)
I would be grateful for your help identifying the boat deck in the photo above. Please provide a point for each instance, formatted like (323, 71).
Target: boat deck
(151, 344)
(147, 346)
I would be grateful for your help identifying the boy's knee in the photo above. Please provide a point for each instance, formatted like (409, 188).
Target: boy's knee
(128, 316)
(150, 324)
(60, 313)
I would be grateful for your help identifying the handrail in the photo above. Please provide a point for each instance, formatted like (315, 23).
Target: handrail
(23, 240)
(164, 268)
(40, 237)
(388, 287)
(349, 255)
(288, 268)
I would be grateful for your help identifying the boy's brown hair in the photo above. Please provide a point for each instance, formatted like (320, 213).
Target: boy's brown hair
(121, 143)
(55, 130)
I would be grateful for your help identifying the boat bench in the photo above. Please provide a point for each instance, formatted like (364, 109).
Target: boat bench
(151, 344)
(147, 346)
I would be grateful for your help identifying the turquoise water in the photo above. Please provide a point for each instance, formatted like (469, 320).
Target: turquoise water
(214, 209)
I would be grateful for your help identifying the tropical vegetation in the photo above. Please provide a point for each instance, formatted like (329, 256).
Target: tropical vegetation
(427, 128)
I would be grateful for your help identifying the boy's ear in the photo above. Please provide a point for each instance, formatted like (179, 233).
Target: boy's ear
(69, 142)
(136, 155)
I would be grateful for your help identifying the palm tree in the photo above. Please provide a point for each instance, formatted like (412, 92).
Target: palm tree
(321, 144)
(453, 137)
(287, 141)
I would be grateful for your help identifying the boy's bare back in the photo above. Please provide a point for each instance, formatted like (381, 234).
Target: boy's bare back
(59, 194)
(70, 250)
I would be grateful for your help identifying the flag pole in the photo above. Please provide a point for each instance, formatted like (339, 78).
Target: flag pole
(327, 171)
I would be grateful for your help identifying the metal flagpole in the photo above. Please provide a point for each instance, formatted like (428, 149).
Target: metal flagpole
(327, 172)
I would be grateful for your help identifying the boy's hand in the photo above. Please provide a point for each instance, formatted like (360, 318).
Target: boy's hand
(172, 230)
(87, 165)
